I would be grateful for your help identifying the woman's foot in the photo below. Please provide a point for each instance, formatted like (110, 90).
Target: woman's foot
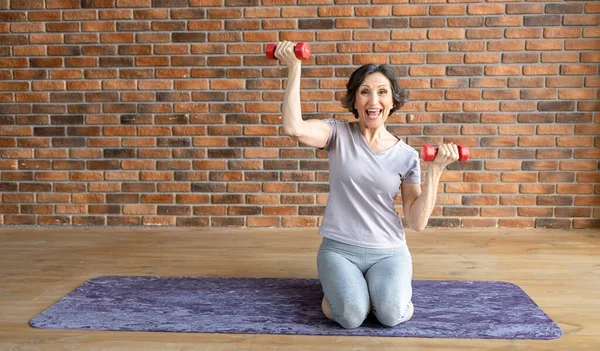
(326, 308)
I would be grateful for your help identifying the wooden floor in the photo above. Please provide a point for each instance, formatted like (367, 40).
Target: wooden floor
(560, 270)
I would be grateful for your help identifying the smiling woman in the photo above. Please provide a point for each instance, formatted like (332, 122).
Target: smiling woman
(361, 84)
(373, 94)
(364, 263)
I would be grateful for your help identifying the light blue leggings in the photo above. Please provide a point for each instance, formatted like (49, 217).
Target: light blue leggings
(356, 280)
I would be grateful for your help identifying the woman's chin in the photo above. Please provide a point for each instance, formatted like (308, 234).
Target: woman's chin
(369, 121)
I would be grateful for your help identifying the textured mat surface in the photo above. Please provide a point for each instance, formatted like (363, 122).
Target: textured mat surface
(443, 309)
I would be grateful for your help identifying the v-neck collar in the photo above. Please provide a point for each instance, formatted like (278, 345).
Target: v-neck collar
(366, 144)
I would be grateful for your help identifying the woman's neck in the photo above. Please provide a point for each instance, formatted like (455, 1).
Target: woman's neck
(372, 134)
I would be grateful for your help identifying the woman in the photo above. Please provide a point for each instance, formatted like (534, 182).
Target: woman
(363, 262)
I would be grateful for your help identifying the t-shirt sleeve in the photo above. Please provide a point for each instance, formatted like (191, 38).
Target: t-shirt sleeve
(413, 174)
(332, 134)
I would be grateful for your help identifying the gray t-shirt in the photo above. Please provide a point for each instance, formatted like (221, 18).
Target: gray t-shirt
(363, 186)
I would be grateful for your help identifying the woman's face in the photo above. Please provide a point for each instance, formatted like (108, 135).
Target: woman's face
(374, 100)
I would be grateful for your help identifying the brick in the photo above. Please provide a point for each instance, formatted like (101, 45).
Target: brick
(259, 221)
(502, 70)
(407, 34)
(479, 200)
(500, 94)
(556, 106)
(573, 141)
(587, 200)
(579, 94)
(536, 188)
(505, 165)
(19, 220)
(563, 8)
(447, 10)
(449, 34)
(409, 10)
(549, 223)
(464, 70)
(554, 200)
(588, 177)
(498, 212)
(510, 45)
(373, 11)
(243, 165)
(541, 20)
(553, 154)
(574, 188)
(577, 69)
(522, 33)
(480, 106)
(279, 210)
(487, 82)
(540, 165)
(540, 70)
(588, 106)
(427, 22)
(539, 141)
(158, 220)
(554, 177)
(260, 176)
(518, 8)
(390, 23)
(299, 221)
(471, 21)
(586, 223)
(517, 200)
(554, 57)
(564, 82)
(486, 9)
(516, 223)
(580, 20)
(534, 212)
(481, 58)
(462, 188)
(545, 44)
(466, 46)
(555, 129)
(538, 94)
(340, 23)
(567, 165)
(27, 209)
(333, 35)
(489, 33)
(443, 222)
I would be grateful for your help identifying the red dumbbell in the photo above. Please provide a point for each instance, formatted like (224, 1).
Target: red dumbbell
(428, 152)
(302, 51)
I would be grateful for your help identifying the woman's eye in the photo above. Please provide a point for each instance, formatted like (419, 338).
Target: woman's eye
(364, 92)
(383, 92)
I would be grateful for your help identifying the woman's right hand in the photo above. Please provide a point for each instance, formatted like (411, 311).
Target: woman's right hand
(285, 53)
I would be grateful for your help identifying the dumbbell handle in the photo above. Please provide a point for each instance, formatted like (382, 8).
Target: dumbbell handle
(302, 51)
(428, 152)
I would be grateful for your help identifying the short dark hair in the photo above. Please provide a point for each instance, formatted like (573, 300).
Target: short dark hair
(399, 94)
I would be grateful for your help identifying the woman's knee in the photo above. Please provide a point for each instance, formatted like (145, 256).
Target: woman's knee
(349, 314)
(352, 316)
(394, 313)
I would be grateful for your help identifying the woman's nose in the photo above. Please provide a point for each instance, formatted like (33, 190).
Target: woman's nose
(373, 97)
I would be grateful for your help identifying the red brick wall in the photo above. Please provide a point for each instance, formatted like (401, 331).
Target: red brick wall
(166, 112)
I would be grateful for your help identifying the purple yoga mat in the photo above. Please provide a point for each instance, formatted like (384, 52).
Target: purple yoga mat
(443, 309)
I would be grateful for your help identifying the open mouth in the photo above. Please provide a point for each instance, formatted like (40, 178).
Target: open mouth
(373, 113)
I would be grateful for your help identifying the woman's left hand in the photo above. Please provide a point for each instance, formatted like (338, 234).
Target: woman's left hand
(447, 153)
